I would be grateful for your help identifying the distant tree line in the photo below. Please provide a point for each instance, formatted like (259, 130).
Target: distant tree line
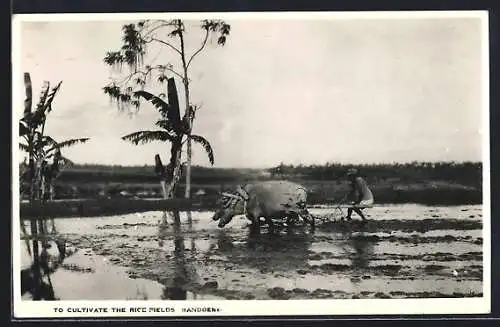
(417, 182)
(465, 173)
(146, 174)
(468, 173)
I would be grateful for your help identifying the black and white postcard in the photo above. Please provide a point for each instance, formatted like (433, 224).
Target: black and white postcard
(250, 164)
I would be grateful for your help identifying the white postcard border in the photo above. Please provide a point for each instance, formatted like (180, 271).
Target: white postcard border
(30, 309)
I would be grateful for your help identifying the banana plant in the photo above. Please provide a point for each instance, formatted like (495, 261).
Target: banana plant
(40, 147)
(172, 129)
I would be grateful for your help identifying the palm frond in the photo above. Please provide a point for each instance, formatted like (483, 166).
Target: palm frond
(51, 96)
(71, 142)
(59, 164)
(23, 170)
(173, 99)
(35, 119)
(29, 94)
(163, 123)
(42, 142)
(44, 106)
(144, 137)
(168, 125)
(65, 161)
(43, 96)
(54, 145)
(24, 147)
(23, 130)
(159, 104)
(206, 145)
(172, 121)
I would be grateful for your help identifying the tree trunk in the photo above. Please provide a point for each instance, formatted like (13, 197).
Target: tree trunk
(174, 170)
(189, 153)
(52, 191)
(187, 114)
(176, 176)
(163, 184)
(34, 227)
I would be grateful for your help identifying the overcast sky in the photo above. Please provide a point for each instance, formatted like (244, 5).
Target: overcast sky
(292, 91)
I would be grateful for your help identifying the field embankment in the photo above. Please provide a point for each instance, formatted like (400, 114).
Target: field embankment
(99, 207)
(424, 183)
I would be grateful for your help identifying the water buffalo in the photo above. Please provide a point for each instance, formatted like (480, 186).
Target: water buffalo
(271, 200)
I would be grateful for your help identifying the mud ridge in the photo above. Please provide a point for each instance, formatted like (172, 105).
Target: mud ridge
(412, 239)
(126, 225)
(420, 226)
(279, 293)
(434, 257)
(397, 271)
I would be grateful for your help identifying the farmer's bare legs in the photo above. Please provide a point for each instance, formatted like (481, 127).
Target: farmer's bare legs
(308, 218)
(292, 218)
(356, 210)
(270, 223)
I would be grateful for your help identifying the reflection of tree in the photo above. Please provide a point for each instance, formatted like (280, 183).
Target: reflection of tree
(177, 285)
(162, 229)
(190, 228)
(36, 279)
(24, 232)
(36, 286)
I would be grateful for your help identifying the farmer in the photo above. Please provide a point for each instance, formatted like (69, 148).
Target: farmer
(359, 196)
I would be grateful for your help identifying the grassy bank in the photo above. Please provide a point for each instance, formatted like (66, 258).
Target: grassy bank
(104, 207)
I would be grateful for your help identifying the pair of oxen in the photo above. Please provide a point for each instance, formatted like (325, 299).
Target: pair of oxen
(265, 202)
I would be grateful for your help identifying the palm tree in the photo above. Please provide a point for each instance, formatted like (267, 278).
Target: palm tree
(40, 149)
(47, 149)
(172, 129)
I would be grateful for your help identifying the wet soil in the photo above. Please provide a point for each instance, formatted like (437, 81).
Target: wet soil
(433, 252)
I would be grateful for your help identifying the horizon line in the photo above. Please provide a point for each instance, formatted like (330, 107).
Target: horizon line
(298, 165)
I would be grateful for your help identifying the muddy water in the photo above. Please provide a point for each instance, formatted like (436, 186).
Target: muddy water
(403, 251)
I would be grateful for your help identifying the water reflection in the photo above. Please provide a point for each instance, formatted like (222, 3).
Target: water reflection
(283, 251)
(35, 280)
(362, 245)
(182, 277)
(190, 230)
(163, 229)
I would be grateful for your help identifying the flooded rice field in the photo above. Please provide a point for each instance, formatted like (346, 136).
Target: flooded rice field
(404, 251)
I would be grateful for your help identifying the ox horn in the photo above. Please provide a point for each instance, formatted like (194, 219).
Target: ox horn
(229, 195)
(242, 192)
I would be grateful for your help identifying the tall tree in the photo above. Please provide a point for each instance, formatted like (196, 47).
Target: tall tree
(169, 35)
